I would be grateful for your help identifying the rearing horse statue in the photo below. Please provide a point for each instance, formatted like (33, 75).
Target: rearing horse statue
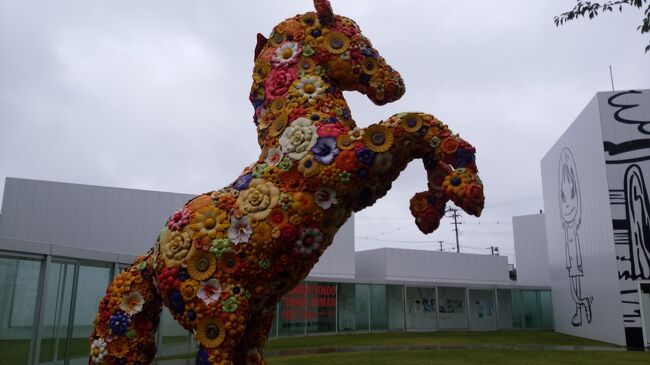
(223, 260)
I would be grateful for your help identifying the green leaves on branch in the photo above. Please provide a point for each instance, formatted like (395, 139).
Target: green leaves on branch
(591, 10)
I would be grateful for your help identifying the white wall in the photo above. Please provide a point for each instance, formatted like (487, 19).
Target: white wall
(529, 233)
(446, 267)
(625, 122)
(594, 233)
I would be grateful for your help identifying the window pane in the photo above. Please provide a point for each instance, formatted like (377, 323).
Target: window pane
(547, 309)
(504, 298)
(292, 311)
(420, 309)
(395, 296)
(531, 309)
(482, 309)
(58, 298)
(363, 310)
(175, 338)
(452, 308)
(321, 307)
(91, 287)
(517, 309)
(19, 287)
(378, 308)
(346, 307)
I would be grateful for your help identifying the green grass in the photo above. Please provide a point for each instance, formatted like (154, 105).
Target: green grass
(433, 338)
(464, 357)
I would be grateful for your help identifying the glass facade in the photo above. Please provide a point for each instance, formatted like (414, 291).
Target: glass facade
(49, 303)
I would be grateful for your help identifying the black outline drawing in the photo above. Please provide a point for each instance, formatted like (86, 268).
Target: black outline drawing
(637, 204)
(622, 107)
(571, 216)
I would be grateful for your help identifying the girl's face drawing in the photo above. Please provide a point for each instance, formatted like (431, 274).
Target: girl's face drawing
(568, 198)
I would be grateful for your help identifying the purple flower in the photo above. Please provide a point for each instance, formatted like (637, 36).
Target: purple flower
(325, 150)
(242, 182)
(119, 323)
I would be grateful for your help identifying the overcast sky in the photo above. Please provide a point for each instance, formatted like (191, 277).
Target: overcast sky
(154, 94)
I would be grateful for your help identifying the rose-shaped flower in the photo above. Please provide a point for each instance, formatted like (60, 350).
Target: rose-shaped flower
(258, 200)
(174, 245)
(449, 146)
(279, 81)
(331, 130)
(298, 138)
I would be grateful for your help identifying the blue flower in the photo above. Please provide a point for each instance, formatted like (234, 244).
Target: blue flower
(176, 302)
(119, 323)
(183, 274)
(365, 156)
(325, 150)
(242, 182)
(202, 357)
(463, 157)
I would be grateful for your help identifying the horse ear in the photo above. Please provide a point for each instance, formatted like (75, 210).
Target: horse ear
(324, 11)
(261, 42)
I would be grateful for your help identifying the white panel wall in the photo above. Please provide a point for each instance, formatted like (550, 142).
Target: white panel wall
(625, 120)
(432, 266)
(530, 249)
(589, 226)
(74, 217)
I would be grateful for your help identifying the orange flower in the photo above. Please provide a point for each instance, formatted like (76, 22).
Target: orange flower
(303, 203)
(201, 265)
(449, 145)
(378, 138)
(347, 160)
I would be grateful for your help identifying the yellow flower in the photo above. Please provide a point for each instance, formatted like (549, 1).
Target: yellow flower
(378, 138)
(209, 332)
(411, 122)
(369, 66)
(337, 42)
(189, 288)
(201, 265)
(258, 200)
(208, 221)
(262, 233)
(308, 166)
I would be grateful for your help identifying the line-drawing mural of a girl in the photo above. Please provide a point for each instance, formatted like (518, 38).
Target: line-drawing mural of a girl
(571, 213)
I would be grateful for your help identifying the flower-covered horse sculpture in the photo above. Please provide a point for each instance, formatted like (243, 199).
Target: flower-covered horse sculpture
(224, 259)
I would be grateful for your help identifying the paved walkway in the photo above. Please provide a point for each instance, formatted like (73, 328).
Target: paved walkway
(329, 350)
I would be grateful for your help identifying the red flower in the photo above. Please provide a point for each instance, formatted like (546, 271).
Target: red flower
(288, 232)
(278, 82)
(330, 130)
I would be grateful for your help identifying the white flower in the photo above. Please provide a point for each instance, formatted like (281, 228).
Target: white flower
(240, 230)
(287, 54)
(210, 291)
(310, 87)
(298, 138)
(325, 197)
(132, 303)
(274, 156)
(98, 351)
(309, 240)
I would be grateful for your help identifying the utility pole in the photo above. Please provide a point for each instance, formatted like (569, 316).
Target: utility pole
(454, 215)
(494, 249)
(440, 242)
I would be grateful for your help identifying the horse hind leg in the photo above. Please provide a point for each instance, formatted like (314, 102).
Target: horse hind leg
(249, 351)
(124, 331)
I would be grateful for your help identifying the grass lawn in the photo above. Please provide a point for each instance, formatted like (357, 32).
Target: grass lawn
(464, 357)
(433, 338)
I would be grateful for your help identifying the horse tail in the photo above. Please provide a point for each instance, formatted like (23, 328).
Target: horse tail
(124, 331)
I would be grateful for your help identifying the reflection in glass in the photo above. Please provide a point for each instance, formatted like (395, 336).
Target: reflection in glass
(531, 308)
(452, 308)
(482, 309)
(420, 309)
(346, 307)
(504, 298)
(517, 310)
(58, 299)
(362, 307)
(378, 308)
(19, 288)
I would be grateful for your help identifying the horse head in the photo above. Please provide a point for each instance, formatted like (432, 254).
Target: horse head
(310, 55)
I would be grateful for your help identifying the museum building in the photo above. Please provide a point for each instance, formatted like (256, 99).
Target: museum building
(62, 243)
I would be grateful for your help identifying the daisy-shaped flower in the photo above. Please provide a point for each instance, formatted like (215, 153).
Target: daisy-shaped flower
(240, 230)
(325, 197)
(98, 351)
(309, 88)
(287, 54)
(210, 291)
(309, 240)
(208, 221)
(132, 303)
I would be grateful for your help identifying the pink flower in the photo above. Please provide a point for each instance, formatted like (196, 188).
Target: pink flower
(278, 82)
(331, 130)
(274, 156)
(179, 219)
(210, 291)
